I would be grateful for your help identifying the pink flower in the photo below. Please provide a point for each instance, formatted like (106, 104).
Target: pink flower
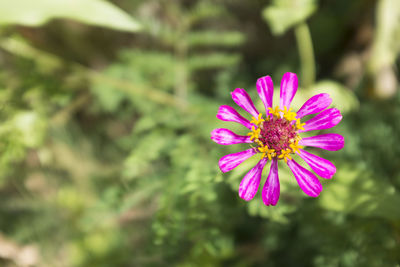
(276, 137)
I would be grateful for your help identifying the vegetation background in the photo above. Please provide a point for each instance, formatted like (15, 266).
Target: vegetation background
(106, 110)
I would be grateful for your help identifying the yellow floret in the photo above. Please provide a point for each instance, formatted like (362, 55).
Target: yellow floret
(270, 153)
(257, 121)
(275, 112)
(295, 146)
(299, 125)
(255, 133)
(289, 114)
(285, 154)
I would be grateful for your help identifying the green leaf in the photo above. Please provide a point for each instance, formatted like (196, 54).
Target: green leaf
(354, 190)
(213, 60)
(38, 12)
(284, 14)
(208, 38)
(342, 98)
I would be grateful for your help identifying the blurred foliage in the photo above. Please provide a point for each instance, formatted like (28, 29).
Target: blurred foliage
(41, 11)
(386, 48)
(105, 153)
(284, 14)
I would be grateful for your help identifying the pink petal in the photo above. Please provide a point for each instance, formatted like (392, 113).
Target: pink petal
(271, 189)
(249, 185)
(227, 137)
(329, 141)
(320, 166)
(265, 89)
(307, 181)
(227, 113)
(314, 105)
(289, 86)
(243, 100)
(231, 161)
(324, 120)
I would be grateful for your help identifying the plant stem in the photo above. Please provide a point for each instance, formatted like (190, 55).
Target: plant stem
(306, 52)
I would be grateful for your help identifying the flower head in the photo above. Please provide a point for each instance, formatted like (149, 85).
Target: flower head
(277, 137)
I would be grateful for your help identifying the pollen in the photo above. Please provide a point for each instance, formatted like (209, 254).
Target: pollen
(275, 112)
(254, 134)
(295, 146)
(299, 125)
(257, 121)
(275, 136)
(288, 114)
(285, 154)
(270, 153)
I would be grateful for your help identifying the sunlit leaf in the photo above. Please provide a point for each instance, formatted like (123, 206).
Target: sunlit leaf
(342, 98)
(38, 12)
(284, 14)
(355, 191)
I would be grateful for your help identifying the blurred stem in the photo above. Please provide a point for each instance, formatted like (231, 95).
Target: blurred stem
(64, 115)
(306, 52)
(180, 23)
(181, 77)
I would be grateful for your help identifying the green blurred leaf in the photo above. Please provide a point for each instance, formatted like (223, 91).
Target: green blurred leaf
(207, 38)
(38, 12)
(354, 190)
(284, 14)
(205, 10)
(342, 98)
(30, 127)
(213, 60)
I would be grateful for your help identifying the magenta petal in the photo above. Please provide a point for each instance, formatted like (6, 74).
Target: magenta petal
(227, 137)
(231, 161)
(320, 166)
(289, 86)
(307, 181)
(227, 113)
(314, 105)
(271, 189)
(324, 120)
(249, 185)
(329, 141)
(243, 100)
(265, 89)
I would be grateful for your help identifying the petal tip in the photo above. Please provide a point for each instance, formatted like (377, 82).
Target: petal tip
(222, 168)
(270, 203)
(244, 196)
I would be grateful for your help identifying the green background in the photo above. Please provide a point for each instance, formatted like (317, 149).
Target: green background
(106, 110)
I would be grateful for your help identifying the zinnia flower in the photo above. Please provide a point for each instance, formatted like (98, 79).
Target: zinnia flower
(276, 137)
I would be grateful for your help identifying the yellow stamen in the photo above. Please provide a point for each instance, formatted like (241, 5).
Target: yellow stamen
(289, 114)
(299, 125)
(285, 154)
(295, 147)
(270, 153)
(254, 133)
(257, 121)
(275, 112)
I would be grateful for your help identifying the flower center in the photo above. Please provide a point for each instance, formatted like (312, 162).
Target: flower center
(276, 136)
